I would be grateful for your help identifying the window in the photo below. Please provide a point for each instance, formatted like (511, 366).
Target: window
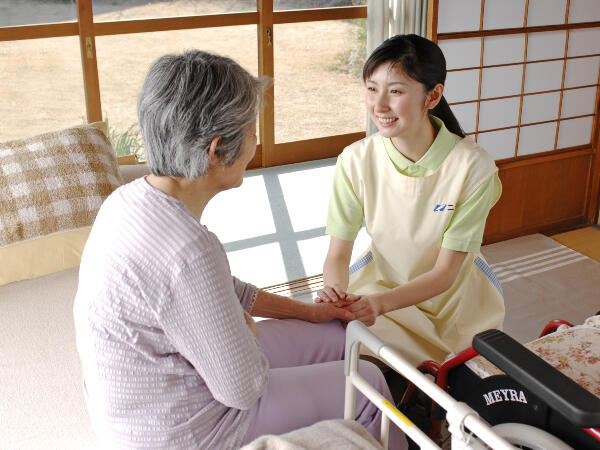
(119, 40)
(516, 89)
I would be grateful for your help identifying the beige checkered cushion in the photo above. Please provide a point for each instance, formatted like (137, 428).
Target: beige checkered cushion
(54, 182)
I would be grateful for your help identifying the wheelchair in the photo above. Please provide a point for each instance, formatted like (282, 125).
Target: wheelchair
(529, 402)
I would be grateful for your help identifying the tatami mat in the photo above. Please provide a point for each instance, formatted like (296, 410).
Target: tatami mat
(543, 280)
(584, 240)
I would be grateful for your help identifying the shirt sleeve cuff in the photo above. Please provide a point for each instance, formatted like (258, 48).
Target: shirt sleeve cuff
(460, 245)
(246, 292)
(344, 234)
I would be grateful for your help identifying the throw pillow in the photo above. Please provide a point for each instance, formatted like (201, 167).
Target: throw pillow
(51, 188)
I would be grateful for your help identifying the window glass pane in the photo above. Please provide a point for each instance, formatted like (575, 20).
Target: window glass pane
(26, 12)
(545, 76)
(546, 45)
(503, 14)
(461, 86)
(584, 42)
(546, 12)
(111, 10)
(458, 15)
(577, 102)
(123, 62)
(279, 5)
(43, 91)
(501, 81)
(499, 144)
(498, 113)
(466, 114)
(318, 79)
(574, 132)
(582, 72)
(540, 107)
(584, 11)
(461, 53)
(536, 138)
(503, 49)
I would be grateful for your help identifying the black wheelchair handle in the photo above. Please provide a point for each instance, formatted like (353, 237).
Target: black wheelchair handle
(565, 396)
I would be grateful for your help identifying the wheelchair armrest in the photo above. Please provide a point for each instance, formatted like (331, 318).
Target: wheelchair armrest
(564, 395)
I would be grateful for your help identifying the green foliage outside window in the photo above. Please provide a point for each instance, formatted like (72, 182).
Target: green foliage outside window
(128, 142)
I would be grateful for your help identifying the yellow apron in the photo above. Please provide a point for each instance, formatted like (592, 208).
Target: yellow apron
(406, 218)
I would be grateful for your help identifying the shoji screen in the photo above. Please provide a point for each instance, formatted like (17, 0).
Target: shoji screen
(523, 79)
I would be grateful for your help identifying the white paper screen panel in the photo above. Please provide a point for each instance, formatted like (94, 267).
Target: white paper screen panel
(546, 45)
(499, 144)
(584, 11)
(575, 132)
(501, 81)
(462, 86)
(503, 14)
(536, 138)
(461, 53)
(458, 15)
(498, 113)
(466, 114)
(543, 76)
(546, 12)
(582, 71)
(578, 102)
(585, 41)
(540, 107)
(503, 49)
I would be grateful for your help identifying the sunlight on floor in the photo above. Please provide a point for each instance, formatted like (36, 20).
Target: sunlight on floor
(240, 213)
(273, 226)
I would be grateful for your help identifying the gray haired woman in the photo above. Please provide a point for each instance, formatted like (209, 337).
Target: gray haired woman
(170, 353)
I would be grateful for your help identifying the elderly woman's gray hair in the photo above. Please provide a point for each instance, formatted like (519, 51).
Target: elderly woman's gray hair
(189, 99)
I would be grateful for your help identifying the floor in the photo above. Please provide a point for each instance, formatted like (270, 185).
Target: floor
(584, 240)
(273, 226)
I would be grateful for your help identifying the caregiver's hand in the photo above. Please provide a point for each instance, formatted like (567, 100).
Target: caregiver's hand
(334, 294)
(366, 309)
(251, 324)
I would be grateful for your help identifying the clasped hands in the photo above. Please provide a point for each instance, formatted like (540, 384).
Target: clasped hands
(363, 307)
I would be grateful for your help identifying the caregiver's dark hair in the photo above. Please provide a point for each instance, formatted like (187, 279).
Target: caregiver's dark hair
(423, 61)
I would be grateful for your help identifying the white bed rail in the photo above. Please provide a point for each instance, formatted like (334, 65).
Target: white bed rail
(459, 415)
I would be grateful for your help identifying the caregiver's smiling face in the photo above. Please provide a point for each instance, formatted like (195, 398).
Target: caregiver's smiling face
(395, 102)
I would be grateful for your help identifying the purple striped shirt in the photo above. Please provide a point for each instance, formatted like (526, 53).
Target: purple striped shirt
(168, 360)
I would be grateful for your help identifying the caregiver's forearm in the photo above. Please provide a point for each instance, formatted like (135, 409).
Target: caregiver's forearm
(335, 272)
(422, 288)
(279, 307)
(425, 286)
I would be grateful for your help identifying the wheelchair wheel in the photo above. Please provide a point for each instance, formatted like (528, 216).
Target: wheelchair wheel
(528, 437)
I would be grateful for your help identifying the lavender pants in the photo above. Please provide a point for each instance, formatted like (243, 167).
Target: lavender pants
(307, 382)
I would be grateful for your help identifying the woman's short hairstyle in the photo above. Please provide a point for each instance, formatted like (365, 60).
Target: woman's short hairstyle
(189, 99)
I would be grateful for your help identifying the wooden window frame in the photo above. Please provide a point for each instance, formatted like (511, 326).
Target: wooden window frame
(268, 152)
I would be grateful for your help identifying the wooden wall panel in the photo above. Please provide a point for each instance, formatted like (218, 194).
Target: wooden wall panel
(541, 195)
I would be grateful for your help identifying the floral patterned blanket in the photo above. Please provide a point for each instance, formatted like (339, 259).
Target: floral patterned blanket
(574, 351)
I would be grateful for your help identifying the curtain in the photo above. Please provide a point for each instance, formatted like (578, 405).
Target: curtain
(386, 18)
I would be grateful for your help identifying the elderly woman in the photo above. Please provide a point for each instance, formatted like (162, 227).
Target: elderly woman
(171, 356)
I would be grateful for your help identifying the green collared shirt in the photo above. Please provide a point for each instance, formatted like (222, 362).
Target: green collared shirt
(465, 230)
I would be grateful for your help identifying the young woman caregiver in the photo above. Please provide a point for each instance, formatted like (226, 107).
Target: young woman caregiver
(424, 191)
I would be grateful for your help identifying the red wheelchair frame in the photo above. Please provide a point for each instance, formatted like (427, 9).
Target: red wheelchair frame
(441, 373)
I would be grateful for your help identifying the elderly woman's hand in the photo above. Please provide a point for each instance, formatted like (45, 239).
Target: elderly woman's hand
(324, 312)
(251, 324)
